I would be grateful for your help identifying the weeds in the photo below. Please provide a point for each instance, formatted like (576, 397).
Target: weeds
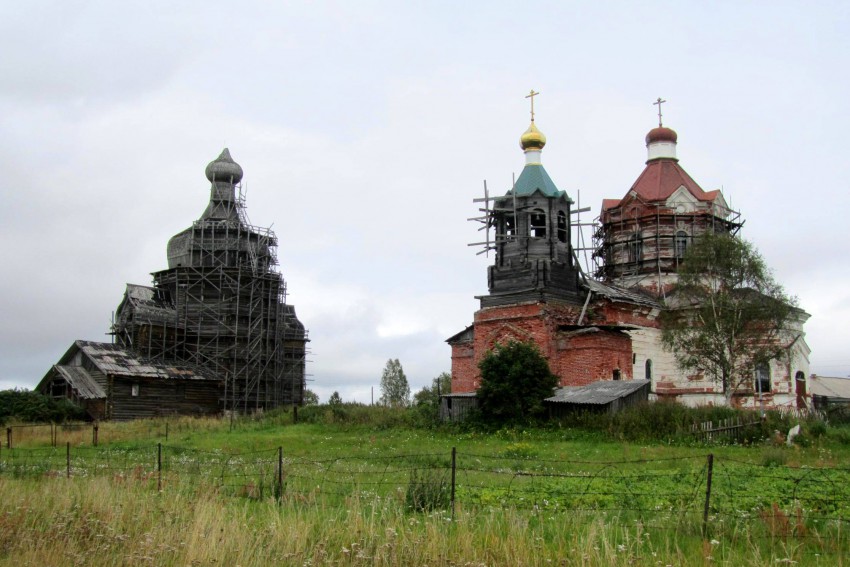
(427, 491)
(774, 457)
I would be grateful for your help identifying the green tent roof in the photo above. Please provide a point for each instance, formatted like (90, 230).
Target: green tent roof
(534, 178)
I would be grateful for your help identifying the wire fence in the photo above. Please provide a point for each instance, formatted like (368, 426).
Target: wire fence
(696, 493)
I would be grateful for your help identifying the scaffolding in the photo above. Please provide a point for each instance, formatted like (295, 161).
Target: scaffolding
(649, 240)
(221, 306)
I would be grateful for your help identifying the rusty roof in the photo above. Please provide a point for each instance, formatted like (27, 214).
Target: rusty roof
(116, 361)
(616, 293)
(660, 179)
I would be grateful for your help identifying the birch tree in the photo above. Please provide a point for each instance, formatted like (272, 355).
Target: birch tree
(395, 391)
(727, 314)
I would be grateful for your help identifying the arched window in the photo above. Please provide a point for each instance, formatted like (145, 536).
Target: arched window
(635, 245)
(616, 374)
(537, 221)
(681, 244)
(762, 378)
(562, 226)
(648, 369)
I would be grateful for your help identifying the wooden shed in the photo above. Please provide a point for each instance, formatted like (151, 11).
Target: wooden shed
(110, 382)
(603, 396)
(456, 407)
(829, 392)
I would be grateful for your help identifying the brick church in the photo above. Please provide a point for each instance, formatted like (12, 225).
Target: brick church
(605, 326)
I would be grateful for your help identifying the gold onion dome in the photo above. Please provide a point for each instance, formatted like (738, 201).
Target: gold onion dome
(532, 139)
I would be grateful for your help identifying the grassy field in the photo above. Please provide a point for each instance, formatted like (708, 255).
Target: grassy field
(524, 497)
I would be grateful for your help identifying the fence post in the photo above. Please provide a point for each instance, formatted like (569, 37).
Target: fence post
(52, 434)
(166, 431)
(67, 459)
(454, 471)
(8, 437)
(94, 434)
(279, 475)
(294, 413)
(159, 467)
(707, 495)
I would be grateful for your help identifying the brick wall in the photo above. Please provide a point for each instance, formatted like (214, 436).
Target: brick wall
(588, 356)
(576, 357)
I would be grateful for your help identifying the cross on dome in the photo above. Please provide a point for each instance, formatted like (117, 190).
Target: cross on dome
(532, 140)
(658, 102)
(531, 95)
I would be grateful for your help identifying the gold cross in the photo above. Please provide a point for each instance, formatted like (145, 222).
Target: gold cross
(659, 102)
(531, 95)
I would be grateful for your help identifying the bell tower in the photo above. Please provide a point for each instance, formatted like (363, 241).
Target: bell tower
(534, 257)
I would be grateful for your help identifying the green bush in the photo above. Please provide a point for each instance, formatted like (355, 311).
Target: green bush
(817, 428)
(515, 379)
(31, 406)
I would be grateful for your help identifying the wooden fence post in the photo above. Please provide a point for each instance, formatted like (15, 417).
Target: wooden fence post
(68, 459)
(8, 437)
(295, 413)
(94, 434)
(707, 495)
(166, 431)
(279, 488)
(159, 467)
(454, 472)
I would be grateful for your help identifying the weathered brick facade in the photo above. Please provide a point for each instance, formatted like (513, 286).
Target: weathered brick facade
(599, 348)
(607, 329)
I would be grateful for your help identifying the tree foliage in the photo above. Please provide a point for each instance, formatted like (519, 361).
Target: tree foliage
(515, 379)
(311, 398)
(395, 391)
(430, 395)
(727, 314)
(28, 405)
(335, 399)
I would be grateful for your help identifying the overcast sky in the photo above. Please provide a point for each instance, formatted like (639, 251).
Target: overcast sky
(365, 130)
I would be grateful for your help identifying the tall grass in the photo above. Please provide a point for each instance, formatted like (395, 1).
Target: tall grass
(99, 522)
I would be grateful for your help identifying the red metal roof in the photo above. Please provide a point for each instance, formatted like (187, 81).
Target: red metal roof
(610, 203)
(660, 179)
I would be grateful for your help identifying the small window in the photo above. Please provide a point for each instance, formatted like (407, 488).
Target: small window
(510, 226)
(635, 245)
(537, 221)
(562, 226)
(134, 390)
(762, 378)
(681, 244)
(616, 375)
(648, 369)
